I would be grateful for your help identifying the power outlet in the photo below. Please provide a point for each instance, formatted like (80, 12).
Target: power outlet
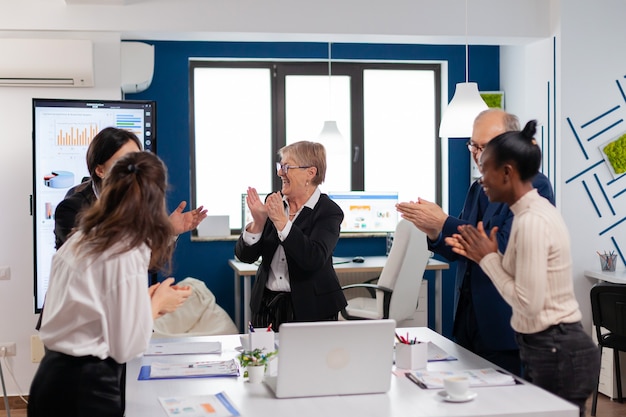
(7, 349)
(36, 349)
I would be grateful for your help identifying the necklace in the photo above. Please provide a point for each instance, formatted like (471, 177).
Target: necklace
(293, 215)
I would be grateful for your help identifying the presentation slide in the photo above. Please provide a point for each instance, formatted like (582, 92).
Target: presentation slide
(62, 132)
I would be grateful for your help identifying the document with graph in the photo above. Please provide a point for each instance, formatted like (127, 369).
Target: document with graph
(217, 405)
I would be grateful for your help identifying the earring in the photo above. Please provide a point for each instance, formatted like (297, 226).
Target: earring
(306, 183)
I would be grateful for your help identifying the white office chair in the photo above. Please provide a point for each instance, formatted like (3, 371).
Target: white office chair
(398, 286)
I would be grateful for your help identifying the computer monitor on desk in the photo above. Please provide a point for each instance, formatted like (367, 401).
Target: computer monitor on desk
(246, 215)
(367, 212)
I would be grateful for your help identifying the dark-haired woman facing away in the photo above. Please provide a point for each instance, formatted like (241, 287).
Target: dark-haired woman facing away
(98, 313)
(534, 275)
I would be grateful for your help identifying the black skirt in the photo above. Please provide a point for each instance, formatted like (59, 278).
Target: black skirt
(71, 386)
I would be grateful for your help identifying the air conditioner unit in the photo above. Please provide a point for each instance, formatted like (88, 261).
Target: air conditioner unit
(46, 63)
(137, 59)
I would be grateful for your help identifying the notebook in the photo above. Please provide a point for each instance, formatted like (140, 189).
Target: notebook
(333, 358)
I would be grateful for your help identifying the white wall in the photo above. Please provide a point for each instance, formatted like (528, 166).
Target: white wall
(584, 60)
(592, 64)
(17, 320)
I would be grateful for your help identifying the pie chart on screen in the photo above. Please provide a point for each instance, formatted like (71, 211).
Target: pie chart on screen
(59, 179)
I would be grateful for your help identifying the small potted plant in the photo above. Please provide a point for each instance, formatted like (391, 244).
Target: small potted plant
(255, 362)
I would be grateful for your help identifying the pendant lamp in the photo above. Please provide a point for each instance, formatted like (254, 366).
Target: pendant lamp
(458, 119)
(330, 131)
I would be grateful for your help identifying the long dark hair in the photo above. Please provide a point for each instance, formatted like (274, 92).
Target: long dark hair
(518, 148)
(131, 209)
(103, 146)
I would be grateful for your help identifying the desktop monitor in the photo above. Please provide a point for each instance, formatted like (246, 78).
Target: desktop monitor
(246, 216)
(367, 212)
(62, 131)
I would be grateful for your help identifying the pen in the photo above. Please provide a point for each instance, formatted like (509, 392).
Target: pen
(269, 328)
(250, 327)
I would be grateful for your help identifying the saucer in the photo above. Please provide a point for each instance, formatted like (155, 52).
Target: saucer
(468, 397)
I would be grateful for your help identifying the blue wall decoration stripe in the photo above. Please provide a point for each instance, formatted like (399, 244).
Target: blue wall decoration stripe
(612, 226)
(582, 148)
(604, 193)
(584, 171)
(619, 251)
(595, 206)
(599, 117)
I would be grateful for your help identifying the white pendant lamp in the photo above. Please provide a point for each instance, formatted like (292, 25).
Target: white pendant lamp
(458, 119)
(330, 131)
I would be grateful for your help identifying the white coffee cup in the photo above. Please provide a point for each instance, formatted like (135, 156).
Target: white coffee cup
(456, 386)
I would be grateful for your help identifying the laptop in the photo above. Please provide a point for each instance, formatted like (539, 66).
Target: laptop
(333, 358)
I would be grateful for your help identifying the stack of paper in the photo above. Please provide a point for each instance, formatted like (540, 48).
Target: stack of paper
(162, 370)
(478, 377)
(182, 348)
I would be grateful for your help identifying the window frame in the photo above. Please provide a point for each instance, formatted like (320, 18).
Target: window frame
(280, 69)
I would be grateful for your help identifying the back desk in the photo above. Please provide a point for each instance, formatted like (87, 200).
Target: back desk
(371, 264)
(402, 400)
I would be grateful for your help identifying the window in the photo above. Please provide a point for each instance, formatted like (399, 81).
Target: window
(243, 112)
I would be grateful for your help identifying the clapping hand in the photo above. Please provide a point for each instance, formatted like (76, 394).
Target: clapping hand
(184, 222)
(472, 242)
(425, 215)
(166, 297)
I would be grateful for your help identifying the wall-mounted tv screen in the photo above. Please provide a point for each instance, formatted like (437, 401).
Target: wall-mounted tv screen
(367, 212)
(62, 131)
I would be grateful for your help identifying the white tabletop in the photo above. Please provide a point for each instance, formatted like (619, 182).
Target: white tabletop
(403, 399)
(616, 277)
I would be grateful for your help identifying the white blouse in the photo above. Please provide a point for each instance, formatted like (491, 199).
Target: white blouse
(98, 305)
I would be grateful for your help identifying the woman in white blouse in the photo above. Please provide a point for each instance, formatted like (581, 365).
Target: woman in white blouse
(98, 314)
(534, 275)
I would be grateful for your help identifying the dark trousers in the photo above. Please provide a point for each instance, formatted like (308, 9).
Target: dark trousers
(467, 334)
(562, 359)
(69, 386)
(276, 309)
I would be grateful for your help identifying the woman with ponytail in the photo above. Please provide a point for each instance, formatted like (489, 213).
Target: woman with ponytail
(98, 312)
(534, 275)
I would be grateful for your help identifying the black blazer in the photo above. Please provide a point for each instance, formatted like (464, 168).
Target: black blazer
(315, 290)
(66, 213)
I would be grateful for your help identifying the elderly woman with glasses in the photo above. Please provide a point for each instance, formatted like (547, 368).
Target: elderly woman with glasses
(295, 231)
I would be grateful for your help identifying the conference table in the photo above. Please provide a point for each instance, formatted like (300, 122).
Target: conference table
(375, 264)
(403, 399)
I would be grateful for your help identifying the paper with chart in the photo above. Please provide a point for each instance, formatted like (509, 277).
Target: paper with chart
(218, 405)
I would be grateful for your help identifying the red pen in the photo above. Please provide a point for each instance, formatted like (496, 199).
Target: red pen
(269, 328)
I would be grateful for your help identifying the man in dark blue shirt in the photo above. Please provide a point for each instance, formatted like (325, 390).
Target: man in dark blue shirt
(481, 317)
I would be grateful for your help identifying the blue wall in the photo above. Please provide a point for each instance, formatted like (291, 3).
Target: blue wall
(170, 88)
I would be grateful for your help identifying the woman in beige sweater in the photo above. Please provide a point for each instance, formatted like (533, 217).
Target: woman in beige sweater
(534, 275)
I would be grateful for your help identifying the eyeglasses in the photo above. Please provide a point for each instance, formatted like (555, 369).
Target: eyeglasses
(285, 168)
(473, 148)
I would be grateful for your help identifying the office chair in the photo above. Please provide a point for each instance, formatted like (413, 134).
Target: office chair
(397, 290)
(608, 309)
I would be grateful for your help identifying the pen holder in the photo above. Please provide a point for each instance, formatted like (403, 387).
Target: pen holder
(263, 340)
(607, 262)
(413, 356)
